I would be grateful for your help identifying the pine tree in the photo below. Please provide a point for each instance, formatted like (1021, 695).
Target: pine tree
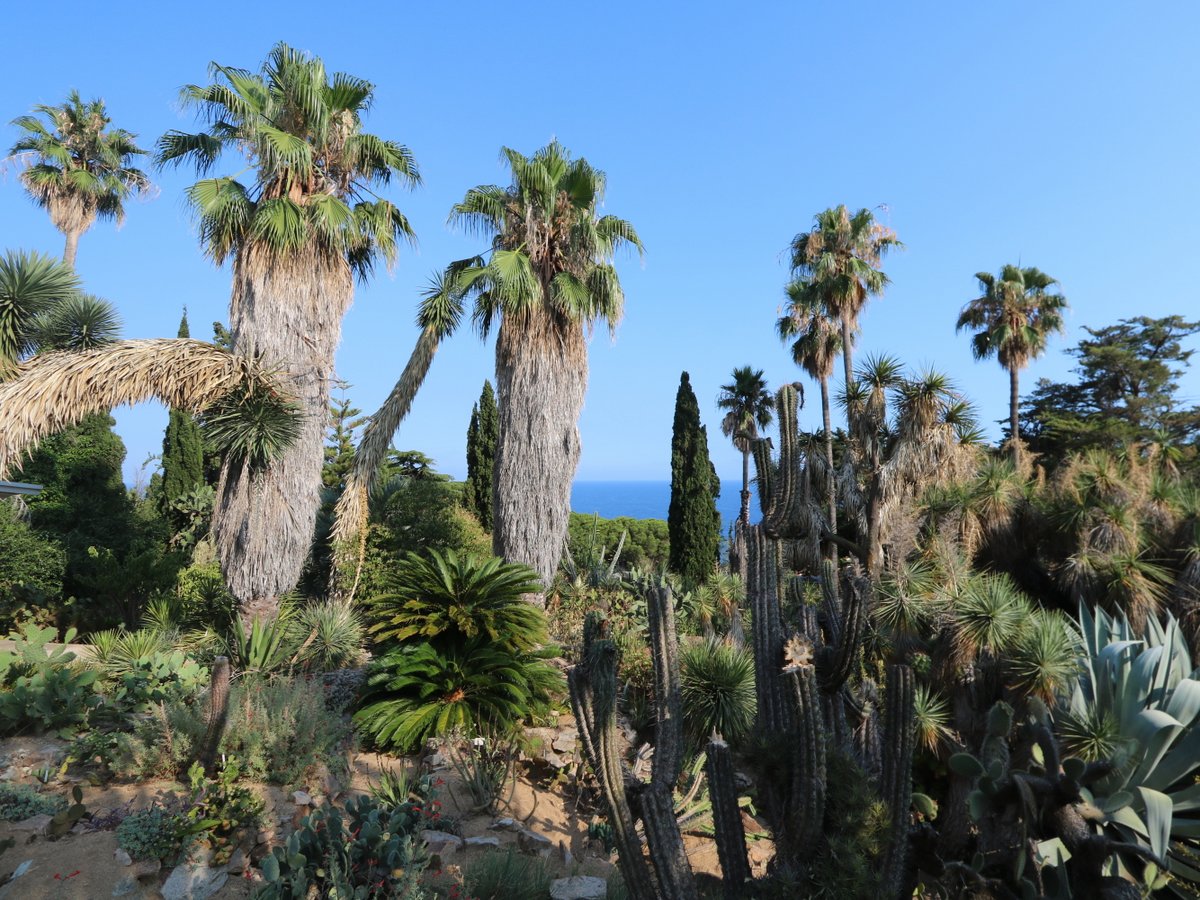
(339, 444)
(481, 456)
(182, 456)
(693, 522)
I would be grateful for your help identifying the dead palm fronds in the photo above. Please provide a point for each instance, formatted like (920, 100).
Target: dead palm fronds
(53, 391)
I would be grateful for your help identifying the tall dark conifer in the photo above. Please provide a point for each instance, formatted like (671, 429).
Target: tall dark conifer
(182, 456)
(481, 456)
(693, 522)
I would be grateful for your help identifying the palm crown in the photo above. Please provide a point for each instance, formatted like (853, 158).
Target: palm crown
(1015, 315)
(748, 405)
(78, 168)
(816, 341)
(550, 249)
(315, 169)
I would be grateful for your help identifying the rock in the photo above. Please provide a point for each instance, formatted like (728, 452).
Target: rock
(146, 868)
(237, 862)
(37, 824)
(264, 837)
(534, 844)
(10, 774)
(578, 887)
(554, 760)
(194, 883)
(125, 886)
(437, 761)
(441, 843)
(301, 798)
(564, 853)
(566, 741)
(122, 857)
(505, 824)
(482, 841)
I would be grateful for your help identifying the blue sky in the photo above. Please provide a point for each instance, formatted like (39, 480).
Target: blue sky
(1058, 135)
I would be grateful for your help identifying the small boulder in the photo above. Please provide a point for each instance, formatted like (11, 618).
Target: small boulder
(122, 857)
(39, 825)
(534, 844)
(302, 798)
(193, 883)
(578, 887)
(441, 843)
(482, 841)
(125, 886)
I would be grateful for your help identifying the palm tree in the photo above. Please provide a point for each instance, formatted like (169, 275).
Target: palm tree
(547, 277)
(840, 255)
(1015, 316)
(31, 287)
(817, 343)
(298, 233)
(749, 406)
(78, 169)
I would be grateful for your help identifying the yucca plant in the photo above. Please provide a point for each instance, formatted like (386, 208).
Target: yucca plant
(717, 681)
(331, 636)
(265, 647)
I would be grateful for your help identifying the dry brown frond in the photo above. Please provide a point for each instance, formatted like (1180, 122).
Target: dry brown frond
(53, 391)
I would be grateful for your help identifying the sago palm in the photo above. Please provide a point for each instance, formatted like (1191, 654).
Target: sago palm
(840, 256)
(77, 168)
(1013, 319)
(748, 407)
(547, 277)
(306, 221)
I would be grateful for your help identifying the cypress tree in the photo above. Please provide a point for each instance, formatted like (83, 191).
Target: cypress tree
(693, 522)
(481, 456)
(182, 456)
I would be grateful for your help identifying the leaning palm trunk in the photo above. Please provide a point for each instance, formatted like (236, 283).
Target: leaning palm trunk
(54, 391)
(541, 376)
(350, 517)
(288, 308)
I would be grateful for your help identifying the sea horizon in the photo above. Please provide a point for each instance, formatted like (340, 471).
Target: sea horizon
(648, 498)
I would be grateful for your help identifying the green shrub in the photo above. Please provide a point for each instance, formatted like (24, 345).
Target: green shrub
(507, 876)
(31, 570)
(202, 600)
(151, 833)
(141, 668)
(718, 690)
(20, 801)
(646, 544)
(277, 730)
(44, 690)
(365, 851)
(418, 692)
(218, 810)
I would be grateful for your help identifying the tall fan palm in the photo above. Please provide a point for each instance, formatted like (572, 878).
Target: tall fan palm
(817, 342)
(749, 406)
(547, 277)
(840, 255)
(306, 223)
(78, 169)
(1014, 317)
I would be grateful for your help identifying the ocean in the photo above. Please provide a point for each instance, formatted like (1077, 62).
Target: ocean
(650, 500)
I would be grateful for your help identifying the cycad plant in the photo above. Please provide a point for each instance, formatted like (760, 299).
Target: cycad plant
(450, 600)
(305, 223)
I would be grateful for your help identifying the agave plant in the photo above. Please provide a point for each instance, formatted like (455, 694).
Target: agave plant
(1138, 699)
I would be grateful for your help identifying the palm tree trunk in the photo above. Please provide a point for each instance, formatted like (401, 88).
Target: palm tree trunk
(848, 365)
(1013, 418)
(350, 517)
(289, 310)
(831, 479)
(541, 378)
(745, 514)
(71, 248)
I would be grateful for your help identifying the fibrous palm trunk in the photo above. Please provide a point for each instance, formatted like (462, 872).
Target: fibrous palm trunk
(541, 377)
(745, 514)
(831, 479)
(1014, 400)
(847, 366)
(71, 247)
(288, 309)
